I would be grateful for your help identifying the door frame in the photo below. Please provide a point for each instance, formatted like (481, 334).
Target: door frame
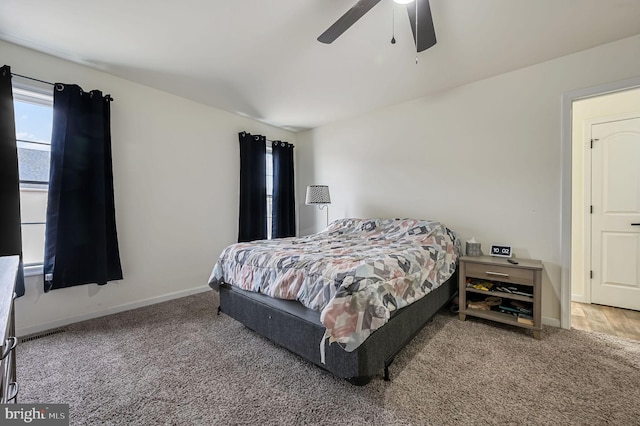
(566, 120)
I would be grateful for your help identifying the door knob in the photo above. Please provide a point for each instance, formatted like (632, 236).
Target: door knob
(635, 224)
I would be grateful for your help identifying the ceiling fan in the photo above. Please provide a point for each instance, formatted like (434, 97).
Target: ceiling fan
(419, 11)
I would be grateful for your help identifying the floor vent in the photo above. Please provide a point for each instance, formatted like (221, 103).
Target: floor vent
(40, 335)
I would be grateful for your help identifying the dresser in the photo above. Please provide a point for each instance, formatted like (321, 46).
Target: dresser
(8, 275)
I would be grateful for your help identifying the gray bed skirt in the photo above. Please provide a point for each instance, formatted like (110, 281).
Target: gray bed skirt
(298, 329)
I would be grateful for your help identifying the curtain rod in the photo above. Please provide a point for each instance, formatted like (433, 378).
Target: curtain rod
(282, 142)
(107, 97)
(34, 79)
(256, 137)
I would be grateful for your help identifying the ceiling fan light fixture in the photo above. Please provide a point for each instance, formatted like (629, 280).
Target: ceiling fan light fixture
(419, 13)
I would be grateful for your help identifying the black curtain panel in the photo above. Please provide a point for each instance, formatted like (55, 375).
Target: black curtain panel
(10, 230)
(253, 188)
(81, 244)
(284, 202)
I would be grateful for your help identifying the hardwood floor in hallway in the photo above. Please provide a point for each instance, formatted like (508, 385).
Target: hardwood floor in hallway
(606, 319)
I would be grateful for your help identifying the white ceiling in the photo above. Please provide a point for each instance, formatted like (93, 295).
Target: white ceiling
(260, 58)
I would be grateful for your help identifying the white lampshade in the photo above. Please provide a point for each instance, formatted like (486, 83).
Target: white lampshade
(403, 1)
(318, 194)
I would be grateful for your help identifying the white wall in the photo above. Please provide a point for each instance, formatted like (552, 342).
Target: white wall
(176, 167)
(584, 111)
(483, 158)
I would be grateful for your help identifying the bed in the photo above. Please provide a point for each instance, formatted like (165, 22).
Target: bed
(346, 299)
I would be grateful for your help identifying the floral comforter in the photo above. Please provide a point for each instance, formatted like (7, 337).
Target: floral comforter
(356, 272)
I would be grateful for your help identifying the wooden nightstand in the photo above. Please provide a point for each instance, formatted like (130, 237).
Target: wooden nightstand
(524, 281)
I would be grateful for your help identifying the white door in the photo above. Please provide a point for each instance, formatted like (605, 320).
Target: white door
(615, 221)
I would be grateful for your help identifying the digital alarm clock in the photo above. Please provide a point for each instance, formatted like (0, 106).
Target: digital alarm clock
(500, 250)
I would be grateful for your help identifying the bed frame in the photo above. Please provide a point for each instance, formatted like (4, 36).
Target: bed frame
(298, 329)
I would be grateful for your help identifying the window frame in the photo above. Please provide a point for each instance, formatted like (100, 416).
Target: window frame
(36, 93)
(269, 199)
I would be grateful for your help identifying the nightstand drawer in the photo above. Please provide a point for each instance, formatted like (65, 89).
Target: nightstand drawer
(500, 273)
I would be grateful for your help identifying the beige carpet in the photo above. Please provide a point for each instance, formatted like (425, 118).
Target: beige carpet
(179, 363)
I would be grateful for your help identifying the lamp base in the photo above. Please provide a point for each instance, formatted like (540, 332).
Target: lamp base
(322, 207)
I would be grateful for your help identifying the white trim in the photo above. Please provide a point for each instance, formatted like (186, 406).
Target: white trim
(32, 270)
(551, 322)
(565, 209)
(112, 310)
(579, 298)
(565, 202)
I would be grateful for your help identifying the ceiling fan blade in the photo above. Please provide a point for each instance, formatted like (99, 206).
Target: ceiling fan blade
(347, 20)
(426, 32)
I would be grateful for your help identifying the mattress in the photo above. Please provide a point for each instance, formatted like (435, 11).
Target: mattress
(356, 274)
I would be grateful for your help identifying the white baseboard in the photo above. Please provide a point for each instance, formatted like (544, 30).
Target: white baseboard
(553, 322)
(112, 310)
(579, 298)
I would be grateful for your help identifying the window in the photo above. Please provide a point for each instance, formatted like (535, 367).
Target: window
(269, 159)
(33, 107)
